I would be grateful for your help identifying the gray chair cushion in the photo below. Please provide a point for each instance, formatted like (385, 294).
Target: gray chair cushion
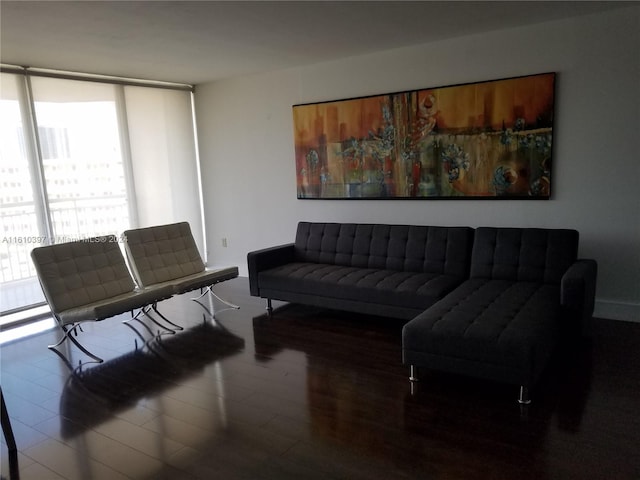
(168, 255)
(79, 273)
(161, 253)
(111, 306)
(89, 280)
(202, 279)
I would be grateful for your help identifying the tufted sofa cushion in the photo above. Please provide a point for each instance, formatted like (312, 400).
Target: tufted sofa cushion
(73, 274)
(505, 321)
(392, 270)
(404, 248)
(523, 254)
(415, 290)
(500, 329)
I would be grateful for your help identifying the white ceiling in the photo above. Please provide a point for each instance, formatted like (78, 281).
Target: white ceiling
(200, 41)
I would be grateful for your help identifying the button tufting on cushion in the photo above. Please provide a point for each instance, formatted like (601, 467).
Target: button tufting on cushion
(163, 253)
(168, 255)
(504, 322)
(79, 273)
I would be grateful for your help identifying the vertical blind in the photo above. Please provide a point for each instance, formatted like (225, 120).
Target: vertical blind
(80, 158)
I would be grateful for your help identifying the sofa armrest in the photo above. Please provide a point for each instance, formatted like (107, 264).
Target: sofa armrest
(260, 260)
(577, 293)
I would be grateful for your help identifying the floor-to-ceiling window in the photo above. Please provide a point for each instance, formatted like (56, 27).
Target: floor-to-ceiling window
(67, 168)
(20, 208)
(82, 157)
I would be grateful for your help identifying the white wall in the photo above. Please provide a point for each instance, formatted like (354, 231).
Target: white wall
(246, 143)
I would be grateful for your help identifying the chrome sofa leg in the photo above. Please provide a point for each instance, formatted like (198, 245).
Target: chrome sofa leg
(413, 380)
(524, 399)
(269, 307)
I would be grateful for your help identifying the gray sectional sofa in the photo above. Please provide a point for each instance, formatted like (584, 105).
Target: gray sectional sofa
(391, 270)
(488, 302)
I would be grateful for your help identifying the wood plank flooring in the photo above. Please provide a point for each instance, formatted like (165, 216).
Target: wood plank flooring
(306, 394)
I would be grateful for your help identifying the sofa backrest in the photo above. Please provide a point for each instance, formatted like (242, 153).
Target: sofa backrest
(523, 254)
(411, 248)
(162, 253)
(74, 274)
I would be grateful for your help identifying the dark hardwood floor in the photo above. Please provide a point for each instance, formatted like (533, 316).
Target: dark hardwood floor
(307, 394)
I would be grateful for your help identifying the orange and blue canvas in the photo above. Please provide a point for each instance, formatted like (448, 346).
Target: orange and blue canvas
(481, 140)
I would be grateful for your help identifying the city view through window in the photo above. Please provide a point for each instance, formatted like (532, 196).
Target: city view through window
(61, 179)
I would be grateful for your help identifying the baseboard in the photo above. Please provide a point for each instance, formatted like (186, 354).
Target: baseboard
(629, 312)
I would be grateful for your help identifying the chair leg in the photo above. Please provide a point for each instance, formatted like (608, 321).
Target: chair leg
(269, 307)
(209, 289)
(203, 292)
(6, 426)
(154, 307)
(232, 305)
(70, 333)
(14, 470)
(146, 311)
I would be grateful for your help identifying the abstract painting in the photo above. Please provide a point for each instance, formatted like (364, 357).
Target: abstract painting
(489, 140)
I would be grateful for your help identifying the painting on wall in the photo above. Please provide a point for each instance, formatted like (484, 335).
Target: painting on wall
(489, 140)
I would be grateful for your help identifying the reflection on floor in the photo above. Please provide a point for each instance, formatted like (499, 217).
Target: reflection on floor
(307, 394)
(93, 395)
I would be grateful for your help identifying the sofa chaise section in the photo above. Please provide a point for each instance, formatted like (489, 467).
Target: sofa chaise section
(526, 292)
(391, 270)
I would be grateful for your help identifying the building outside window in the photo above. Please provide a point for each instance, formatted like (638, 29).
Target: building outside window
(67, 169)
